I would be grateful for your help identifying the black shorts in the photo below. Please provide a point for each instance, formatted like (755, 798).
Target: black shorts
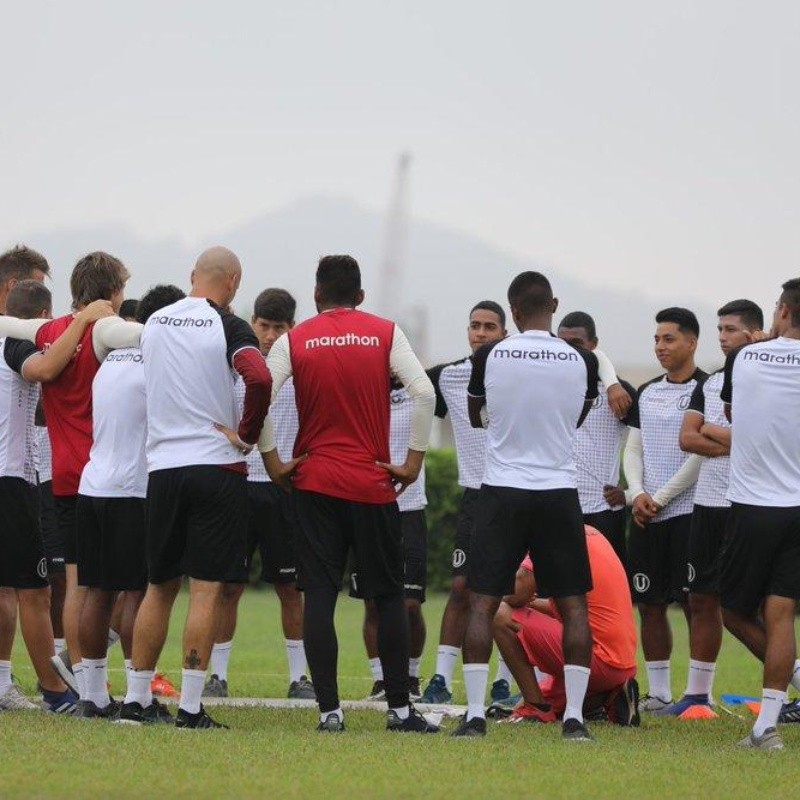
(657, 561)
(67, 527)
(22, 561)
(111, 543)
(271, 529)
(51, 533)
(415, 557)
(614, 526)
(465, 524)
(760, 556)
(511, 523)
(706, 536)
(197, 524)
(328, 528)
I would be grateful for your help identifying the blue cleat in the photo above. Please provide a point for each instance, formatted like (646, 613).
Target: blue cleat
(688, 701)
(60, 702)
(436, 691)
(500, 691)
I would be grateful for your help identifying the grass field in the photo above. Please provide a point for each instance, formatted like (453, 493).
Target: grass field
(276, 753)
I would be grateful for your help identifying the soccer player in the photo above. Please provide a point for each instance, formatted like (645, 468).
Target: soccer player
(110, 511)
(706, 432)
(598, 447)
(760, 567)
(197, 484)
(661, 480)
(23, 566)
(343, 486)
(271, 519)
(528, 632)
(536, 390)
(412, 504)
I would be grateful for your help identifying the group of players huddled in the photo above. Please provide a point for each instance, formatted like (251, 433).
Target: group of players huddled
(143, 443)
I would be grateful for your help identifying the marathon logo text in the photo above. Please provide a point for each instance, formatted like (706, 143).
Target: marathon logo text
(342, 341)
(772, 358)
(181, 322)
(536, 355)
(114, 357)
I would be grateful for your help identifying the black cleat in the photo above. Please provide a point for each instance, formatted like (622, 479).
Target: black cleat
(332, 723)
(200, 720)
(162, 714)
(86, 709)
(413, 723)
(135, 714)
(474, 727)
(573, 730)
(622, 707)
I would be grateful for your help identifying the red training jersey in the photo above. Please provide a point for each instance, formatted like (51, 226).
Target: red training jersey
(67, 405)
(340, 363)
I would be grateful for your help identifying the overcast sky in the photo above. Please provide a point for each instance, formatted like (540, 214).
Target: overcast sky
(639, 143)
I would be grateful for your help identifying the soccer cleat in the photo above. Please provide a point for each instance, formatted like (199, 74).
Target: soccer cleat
(573, 730)
(378, 692)
(500, 691)
(135, 714)
(649, 703)
(200, 720)
(162, 686)
(65, 702)
(62, 664)
(15, 700)
(215, 687)
(790, 712)
(769, 740)
(332, 723)
(413, 723)
(529, 712)
(622, 705)
(414, 692)
(302, 689)
(436, 691)
(470, 728)
(86, 709)
(501, 709)
(686, 702)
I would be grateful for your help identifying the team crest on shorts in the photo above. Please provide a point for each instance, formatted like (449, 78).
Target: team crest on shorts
(692, 573)
(641, 582)
(459, 558)
(41, 568)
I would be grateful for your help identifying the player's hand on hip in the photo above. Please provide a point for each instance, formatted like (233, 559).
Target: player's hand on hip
(402, 475)
(619, 401)
(281, 472)
(233, 437)
(97, 309)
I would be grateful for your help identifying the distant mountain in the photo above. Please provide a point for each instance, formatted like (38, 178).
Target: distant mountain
(446, 273)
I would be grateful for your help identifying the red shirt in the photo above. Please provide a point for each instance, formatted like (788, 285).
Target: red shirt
(67, 405)
(340, 363)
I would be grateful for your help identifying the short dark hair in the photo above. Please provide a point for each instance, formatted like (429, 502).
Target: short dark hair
(339, 279)
(156, 298)
(21, 262)
(276, 305)
(97, 276)
(791, 296)
(751, 314)
(128, 308)
(530, 293)
(28, 299)
(682, 317)
(580, 319)
(490, 305)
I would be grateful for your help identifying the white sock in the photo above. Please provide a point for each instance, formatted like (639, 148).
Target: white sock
(220, 656)
(446, 658)
(476, 676)
(376, 668)
(296, 653)
(77, 671)
(576, 679)
(701, 677)
(59, 645)
(540, 676)
(139, 687)
(95, 678)
(192, 682)
(658, 680)
(325, 714)
(5, 677)
(403, 712)
(113, 637)
(503, 672)
(128, 668)
(771, 702)
(413, 667)
(796, 675)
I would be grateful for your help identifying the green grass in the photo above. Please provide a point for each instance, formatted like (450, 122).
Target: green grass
(276, 753)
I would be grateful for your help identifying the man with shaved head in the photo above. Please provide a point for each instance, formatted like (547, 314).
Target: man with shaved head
(196, 492)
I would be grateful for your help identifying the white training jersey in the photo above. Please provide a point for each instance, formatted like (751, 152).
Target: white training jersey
(598, 444)
(17, 408)
(283, 412)
(712, 483)
(450, 382)
(188, 350)
(44, 454)
(413, 498)
(658, 413)
(117, 465)
(762, 384)
(31, 440)
(535, 387)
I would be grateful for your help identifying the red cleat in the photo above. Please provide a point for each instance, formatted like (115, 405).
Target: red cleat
(162, 686)
(530, 713)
